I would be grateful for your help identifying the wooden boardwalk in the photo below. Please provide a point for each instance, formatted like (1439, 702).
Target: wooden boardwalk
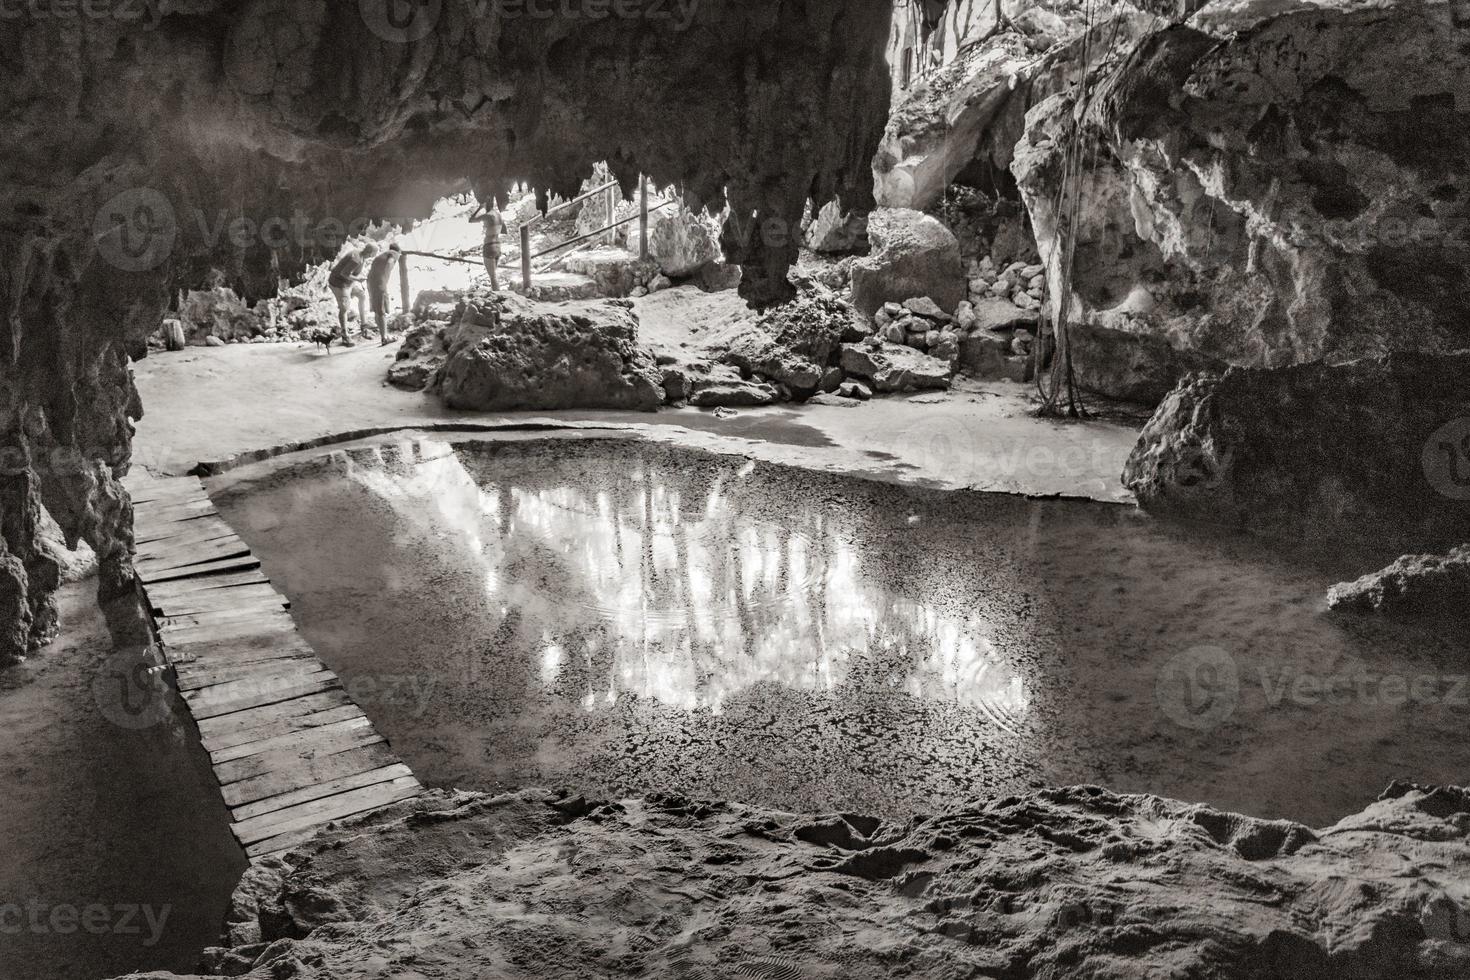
(290, 749)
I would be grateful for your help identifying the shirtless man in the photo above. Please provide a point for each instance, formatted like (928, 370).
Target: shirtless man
(494, 229)
(346, 285)
(379, 274)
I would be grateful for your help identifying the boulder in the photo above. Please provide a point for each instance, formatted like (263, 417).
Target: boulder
(676, 383)
(1001, 314)
(731, 393)
(420, 358)
(982, 354)
(913, 255)
(836, 232)
(1376, 447)
(614, 271)
(682, 241)
(894, 368)
(835, 401)
(1413, 584)
(928, 309)
(218, 313)
(855, 390)
(583, 357)
(794, 343)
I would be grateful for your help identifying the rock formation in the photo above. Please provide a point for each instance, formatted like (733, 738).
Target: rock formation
(1377, 447)
(1066, 882)
(1264, 190)
(164, 140)
(794, 344)
(913, 255)
(1413, 584)
(504, 355)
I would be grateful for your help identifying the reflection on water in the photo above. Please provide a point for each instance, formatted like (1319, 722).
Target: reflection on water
(679, 589)
(623, 618)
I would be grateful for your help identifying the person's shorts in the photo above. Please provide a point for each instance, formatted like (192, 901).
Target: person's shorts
(346, 293)
(491, 254)
(378, 300)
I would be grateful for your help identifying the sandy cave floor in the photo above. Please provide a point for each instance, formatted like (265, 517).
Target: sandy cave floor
(208, 404)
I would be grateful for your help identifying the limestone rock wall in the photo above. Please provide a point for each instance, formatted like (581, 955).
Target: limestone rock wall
(1379, 447)
(149, 143)
(1290, 192)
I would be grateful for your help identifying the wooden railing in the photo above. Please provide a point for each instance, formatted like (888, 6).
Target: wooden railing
(609, 188)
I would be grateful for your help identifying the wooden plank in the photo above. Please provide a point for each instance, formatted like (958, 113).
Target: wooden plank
(193, 554)
(160, 535)
(323, 811)
(170, 503)
(283, 726)
(155, 514)
(195, 532)
(221, 625)
(239, 650)
(370, 778)
(204, 583)
(198, 680)
(284, 713)
(160, 490)
(309, 747)
(263, 598)
(249, 612)
(281, 844)
(226, 699)
(233, 563)
(289, 740)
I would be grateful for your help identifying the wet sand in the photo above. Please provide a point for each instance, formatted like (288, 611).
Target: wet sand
(117, 854)
(624, 618)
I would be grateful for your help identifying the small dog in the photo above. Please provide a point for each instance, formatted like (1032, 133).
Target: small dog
(323, 338)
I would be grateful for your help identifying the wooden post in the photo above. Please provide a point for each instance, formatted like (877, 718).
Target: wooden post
(612, 214)
(403, 281)
(526, 257)
(643, 218)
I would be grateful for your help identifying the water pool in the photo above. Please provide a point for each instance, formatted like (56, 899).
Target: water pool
(619, 617)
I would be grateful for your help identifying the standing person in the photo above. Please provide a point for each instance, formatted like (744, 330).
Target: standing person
(378, 276)
(489, 215)
(346, 285)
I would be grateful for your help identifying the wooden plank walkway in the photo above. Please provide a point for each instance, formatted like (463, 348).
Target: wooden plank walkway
(290, 749)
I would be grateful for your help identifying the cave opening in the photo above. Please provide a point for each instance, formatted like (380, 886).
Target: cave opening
(560, 488)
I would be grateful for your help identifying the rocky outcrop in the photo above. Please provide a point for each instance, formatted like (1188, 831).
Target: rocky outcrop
(952, 119)
(1377, 447)
(217, 313)
(837, 232)
(504, 356)
(962, 123)
(148, 146)
(913, 255)
(613, 272)
(894, 367)
(682, 241)
(1413, 584)
(794, 344)
(1294, 190)
(1066, 882)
